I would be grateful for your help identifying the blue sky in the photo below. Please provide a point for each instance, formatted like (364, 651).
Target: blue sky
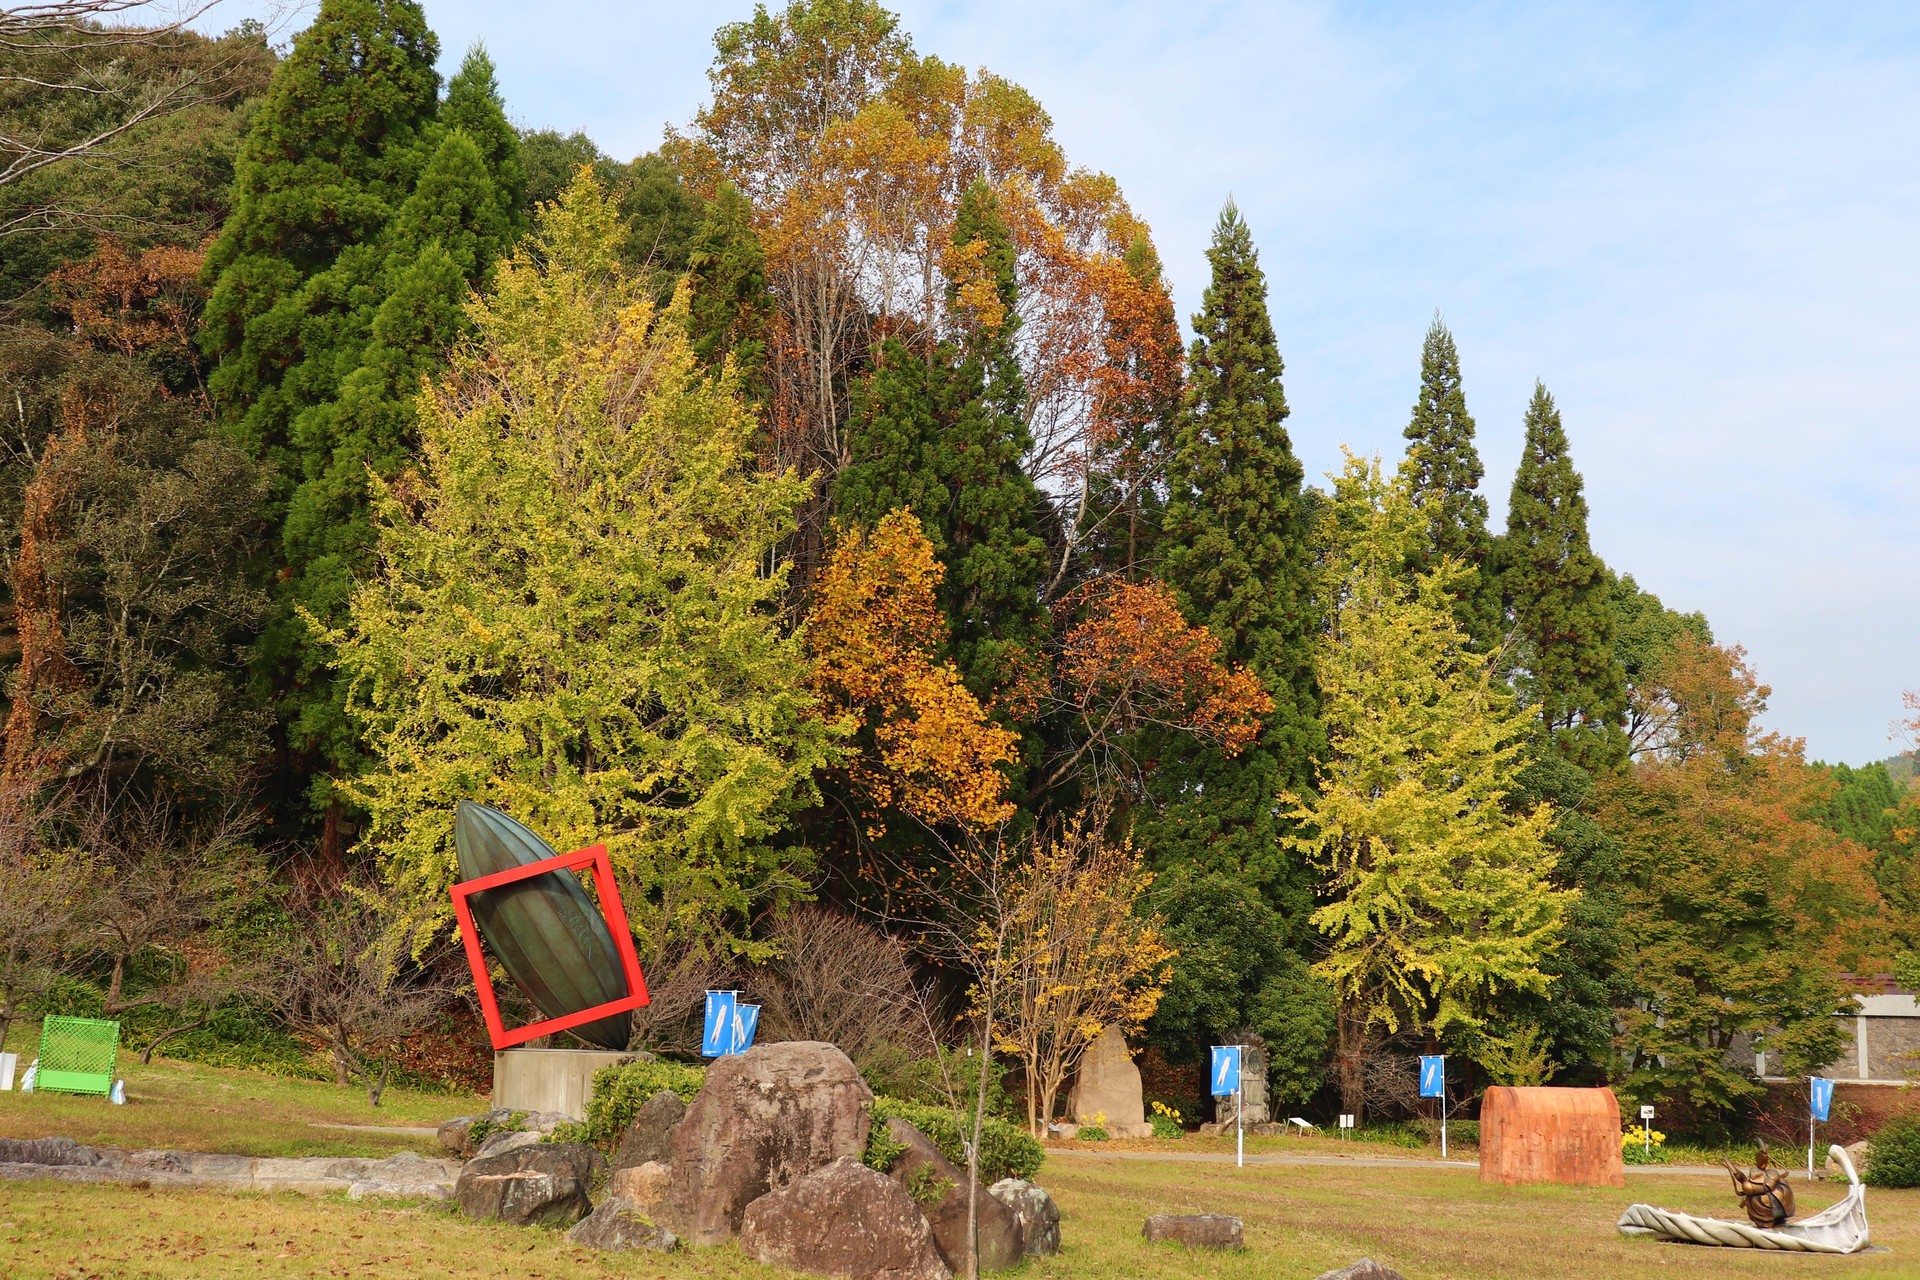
(1696, 223)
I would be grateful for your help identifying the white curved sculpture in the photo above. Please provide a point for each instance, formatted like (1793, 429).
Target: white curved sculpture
(1840, 1229)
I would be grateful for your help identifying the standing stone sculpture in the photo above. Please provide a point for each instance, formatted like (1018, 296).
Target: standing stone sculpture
(1107, 1090)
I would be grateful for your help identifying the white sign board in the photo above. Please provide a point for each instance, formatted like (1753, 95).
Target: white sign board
(1646, 1113)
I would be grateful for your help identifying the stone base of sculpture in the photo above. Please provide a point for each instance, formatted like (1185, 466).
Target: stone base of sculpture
(1840, 1229)
(549, 1079)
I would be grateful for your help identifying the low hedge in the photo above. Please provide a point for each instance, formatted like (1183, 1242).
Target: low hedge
(1006, 1150)
(620, 1092)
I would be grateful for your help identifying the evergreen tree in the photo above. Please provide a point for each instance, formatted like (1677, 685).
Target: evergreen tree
(354, 338)
(730, 305)
(332, 151)
(996, 560)
(1234, 548)
(943, 436)
(474, 107)
(1443, 468)
(1556, 592)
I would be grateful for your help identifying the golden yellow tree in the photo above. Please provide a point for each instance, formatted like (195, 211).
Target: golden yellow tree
(1078, 955)
(923, 743)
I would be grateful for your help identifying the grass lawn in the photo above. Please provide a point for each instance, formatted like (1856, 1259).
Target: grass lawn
(1432, 1224)
(189, 1107)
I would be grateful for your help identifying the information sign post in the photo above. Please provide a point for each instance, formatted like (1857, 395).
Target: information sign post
(1433, 1084)
(1226, 1083)
(1819, 1105)
(1646, 1132)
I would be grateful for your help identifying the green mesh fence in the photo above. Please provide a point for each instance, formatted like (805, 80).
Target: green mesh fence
(77, 1055)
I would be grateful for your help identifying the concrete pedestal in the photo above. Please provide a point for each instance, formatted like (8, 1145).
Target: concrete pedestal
(550, 1079)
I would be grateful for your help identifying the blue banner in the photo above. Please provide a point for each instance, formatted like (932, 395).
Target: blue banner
(1433, 1076)
(716, 1038)
(1226, 1069)
(1821, 1098)
(746, 1020)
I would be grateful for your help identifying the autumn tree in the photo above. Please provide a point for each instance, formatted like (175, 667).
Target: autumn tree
(1555, 592)
(1740, 909)
(1437, 898)
(923, 745)
(133, 522)
(856, 154)
(1443, 471)
(574, 614)
(1081, 955)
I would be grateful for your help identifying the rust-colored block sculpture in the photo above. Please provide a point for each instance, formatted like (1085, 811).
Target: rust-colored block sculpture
(1551, 1135)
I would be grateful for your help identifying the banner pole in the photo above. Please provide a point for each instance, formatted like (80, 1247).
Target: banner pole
(1239, 1131)
(1810, 1123)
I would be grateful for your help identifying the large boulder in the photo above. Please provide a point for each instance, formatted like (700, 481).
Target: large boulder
(650, 1136)
(763, 1119)
(1038, 1215)
(545, 1184)
(644, 1185)
(843, 1220)
(1106, 1089)
(939, 1187)
(1196, 1230)
(1365, 1269)
(618, 1225)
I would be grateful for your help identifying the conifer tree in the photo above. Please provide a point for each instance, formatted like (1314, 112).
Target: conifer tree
(943, 436)
(332, 151)
(996, 561)
(731, 305)
(1235, 551)
(352, 341)
(1556, 593)
(1443, 468)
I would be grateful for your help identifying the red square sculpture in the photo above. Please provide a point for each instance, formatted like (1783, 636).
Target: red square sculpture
(610, 908)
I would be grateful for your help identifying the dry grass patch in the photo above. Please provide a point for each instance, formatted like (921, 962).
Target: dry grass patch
(1432, 1224)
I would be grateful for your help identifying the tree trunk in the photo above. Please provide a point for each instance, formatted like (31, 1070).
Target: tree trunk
(342, 1066)
(973, 1149)
(1350, 1063)
(146, 1054)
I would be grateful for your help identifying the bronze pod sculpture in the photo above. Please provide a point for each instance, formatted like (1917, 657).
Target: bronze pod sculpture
(544, 931)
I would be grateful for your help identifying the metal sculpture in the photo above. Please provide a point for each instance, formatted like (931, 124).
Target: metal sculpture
(1763, 1190)
(1839, 1229)
(577, 965)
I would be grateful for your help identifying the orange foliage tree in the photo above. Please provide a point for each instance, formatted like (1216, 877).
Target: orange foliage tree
(1129, 660)
(924, 745)
(1740, 910)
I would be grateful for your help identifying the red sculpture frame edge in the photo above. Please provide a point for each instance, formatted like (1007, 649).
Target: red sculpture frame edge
(595, 857)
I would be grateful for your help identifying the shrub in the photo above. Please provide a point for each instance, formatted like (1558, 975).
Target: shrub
(620, 1092)
(1166, 1121)
(483, 1128)
(1006, 1150)
(1643, 1144)
(1895, 1158)
(1090, 1133)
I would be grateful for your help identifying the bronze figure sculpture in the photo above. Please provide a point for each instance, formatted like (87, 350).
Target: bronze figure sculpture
(1763, 1190)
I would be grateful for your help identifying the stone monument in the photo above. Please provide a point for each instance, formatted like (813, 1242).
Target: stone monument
(1106, 1089)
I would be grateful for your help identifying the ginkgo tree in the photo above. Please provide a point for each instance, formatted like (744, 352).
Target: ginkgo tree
(1438, 898)
(574, 614)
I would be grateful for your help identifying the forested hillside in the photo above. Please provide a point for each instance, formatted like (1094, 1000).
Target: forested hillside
(827, 507)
